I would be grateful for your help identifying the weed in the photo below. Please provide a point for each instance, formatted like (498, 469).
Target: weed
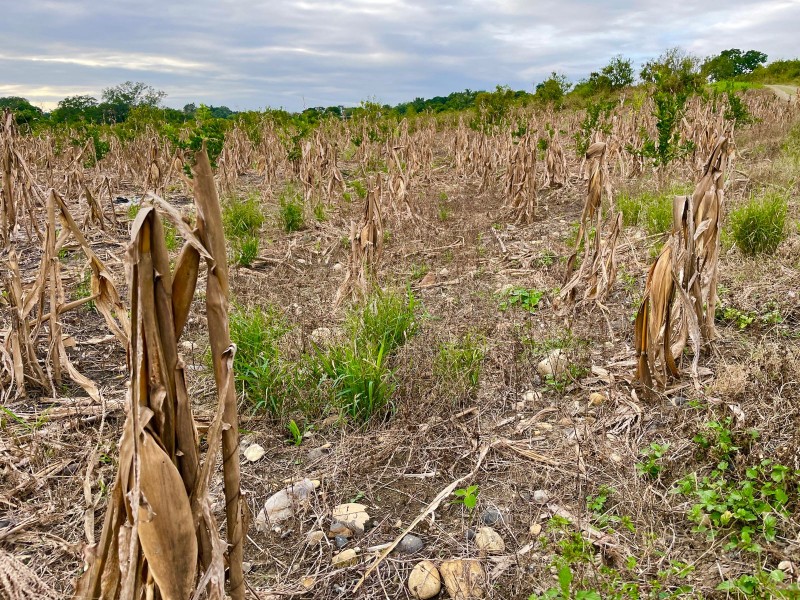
(760, 225)
(242, 217)
(733, 315)
(418, 271)
(652, 211)
(295, 432)
(458, 365)
(444, 212)
(133, 210)
(245, 250)
(527, 299)
(467, 497)
(171, 239)
(319, 212)
(761, 584)
(746, 503)
(650, 467)
(291, 209)
(359, 188)
(84, 290)
(259, 366)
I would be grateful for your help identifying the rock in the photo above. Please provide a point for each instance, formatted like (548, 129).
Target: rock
(424, 582)
(787, 566)
(541, 496)
(428, 280)
(353, 515)
(340, 541)
(316, 454)
(489, 541)
(338, 266)
(531, 396)
(491, 516)
(444, 272)
(308, 582)
(616, 457)
(554, 365)
(469, 534)
(535, 529)
(315, 537)
(339, 529)
(410, 544)
(463, 579)
(596, 399)
(247, 567)
(282, 505)
(254, 452)
(345, 558)
(188, 346)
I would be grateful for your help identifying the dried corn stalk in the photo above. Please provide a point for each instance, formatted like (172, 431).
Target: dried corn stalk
(366, 247)
(598, 269)
(160, 538)
(520, 181)
(681, 291)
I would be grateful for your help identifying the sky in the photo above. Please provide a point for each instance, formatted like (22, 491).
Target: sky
(250, 54)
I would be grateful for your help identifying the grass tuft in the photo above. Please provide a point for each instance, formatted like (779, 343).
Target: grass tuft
(291, 211)
(759, 226)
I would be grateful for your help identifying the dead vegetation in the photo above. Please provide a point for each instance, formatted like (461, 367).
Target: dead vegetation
(541, 449)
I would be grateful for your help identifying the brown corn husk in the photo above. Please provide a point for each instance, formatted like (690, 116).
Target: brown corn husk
(680, 294)
(160, 538)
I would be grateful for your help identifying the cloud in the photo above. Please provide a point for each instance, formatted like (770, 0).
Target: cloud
(296, 53)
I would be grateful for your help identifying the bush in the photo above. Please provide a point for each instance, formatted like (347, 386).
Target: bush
(760, 225)
(260, 370)
(291, 212)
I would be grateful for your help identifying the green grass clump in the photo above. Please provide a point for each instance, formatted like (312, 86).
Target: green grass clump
(760, 225)
(652, 211)
(458, 365)
(260, 369)
(291, 211)
(242, 217)
(358, 374)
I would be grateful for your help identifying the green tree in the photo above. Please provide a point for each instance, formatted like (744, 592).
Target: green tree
(675, 71)
(120, 99)
(732, 63)
(24, 112)
(76, 108)
(553, 89)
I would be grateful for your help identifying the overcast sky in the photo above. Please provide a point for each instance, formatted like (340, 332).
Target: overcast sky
(299, 53)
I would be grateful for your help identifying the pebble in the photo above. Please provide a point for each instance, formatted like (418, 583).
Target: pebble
(254, 452)
(339, 529)
(345, 558)
(410, 544)
(353, 515)
(552, 366)
(282, 505)
(489, 541)
(424, 582)
(470, 534)
(464, 579)
(491, 516)
(541, 496)
(340, 541)
(535, 529)
(532, 396)
(315, 537)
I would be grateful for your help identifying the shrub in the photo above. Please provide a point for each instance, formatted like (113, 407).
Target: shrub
(760, 225)
(259, 366)
(291, 211)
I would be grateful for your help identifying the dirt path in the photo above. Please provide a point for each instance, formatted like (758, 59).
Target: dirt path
(784, 92)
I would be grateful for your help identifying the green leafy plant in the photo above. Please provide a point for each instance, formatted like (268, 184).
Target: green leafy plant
(291, 209)
(527, 299)
(759, 226)
(295, 432)
(744, 503)
(760, 585)
(650, 466)
(467, 497)
(733, 315)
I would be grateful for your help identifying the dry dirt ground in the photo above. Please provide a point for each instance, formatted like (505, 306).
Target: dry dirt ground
(537, 436)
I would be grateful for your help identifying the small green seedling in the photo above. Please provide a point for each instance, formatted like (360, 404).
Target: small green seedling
(468, 497)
